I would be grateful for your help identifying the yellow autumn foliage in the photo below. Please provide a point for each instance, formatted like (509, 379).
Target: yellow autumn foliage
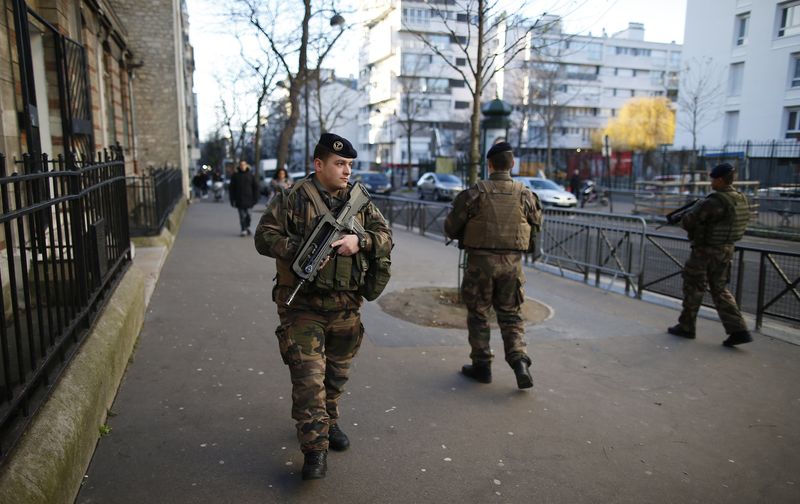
(642, 124)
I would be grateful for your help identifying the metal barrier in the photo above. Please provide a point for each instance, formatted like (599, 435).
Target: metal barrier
(151, 198)
(426, 217)
(763, 281)
(595, 243)
(65, 229)
(602, 246)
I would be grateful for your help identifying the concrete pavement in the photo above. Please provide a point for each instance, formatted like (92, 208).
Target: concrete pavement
(620, 411)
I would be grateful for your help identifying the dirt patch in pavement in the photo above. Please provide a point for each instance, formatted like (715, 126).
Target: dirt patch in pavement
(440, 307)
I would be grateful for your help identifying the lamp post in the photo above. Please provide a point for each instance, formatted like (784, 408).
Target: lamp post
(496, 119)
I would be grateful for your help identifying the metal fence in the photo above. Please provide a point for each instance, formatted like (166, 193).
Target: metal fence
(65, 232)
(595, 244)
(603, 247)
(151, 198)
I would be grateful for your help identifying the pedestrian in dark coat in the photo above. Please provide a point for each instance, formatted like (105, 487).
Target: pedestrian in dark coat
(244, 194)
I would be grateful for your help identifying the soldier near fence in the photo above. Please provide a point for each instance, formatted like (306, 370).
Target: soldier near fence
(321, 332)
(714, 224)
(495, 220)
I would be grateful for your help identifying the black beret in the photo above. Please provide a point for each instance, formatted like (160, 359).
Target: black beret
(338, 145)
(498, 148)
(721, 170)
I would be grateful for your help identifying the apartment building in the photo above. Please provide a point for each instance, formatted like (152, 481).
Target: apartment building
(572, 84)
(412, 97)
(754, 46)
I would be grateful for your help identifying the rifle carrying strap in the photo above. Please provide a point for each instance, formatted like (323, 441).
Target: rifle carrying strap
(316, 199)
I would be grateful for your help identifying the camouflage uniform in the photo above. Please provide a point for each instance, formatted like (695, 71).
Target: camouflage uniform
(709, 264)
(321, 332)
(493, 277)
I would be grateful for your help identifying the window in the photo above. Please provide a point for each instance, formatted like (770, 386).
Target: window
(457, 83)
(462, 105)
(794, 71)
(437, 85)
(735, 75)
(675, 59)
(461, 61)
(731, 126)
(413, 63)
(793, 123)
(790, 19)
(595, 51)
(439, 41)
(742, 22)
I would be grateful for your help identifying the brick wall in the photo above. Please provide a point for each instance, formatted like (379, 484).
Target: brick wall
(151, 29)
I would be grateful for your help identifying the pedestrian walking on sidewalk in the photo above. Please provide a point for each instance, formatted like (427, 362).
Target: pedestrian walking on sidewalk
(495, 220)
(714, 224)
(320, 334)
(244, 195)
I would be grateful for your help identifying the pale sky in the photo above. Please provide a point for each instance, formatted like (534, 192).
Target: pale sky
(217, 50)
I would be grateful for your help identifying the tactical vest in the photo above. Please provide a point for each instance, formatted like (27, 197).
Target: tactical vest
(343, 273)
(500, 222)
(731, 228)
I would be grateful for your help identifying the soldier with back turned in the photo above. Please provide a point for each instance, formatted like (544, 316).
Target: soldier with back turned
(495, 220)
(714, 225)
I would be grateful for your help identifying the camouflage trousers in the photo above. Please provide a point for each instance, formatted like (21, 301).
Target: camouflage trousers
(318, 347)
(710, 266)
(494, 281)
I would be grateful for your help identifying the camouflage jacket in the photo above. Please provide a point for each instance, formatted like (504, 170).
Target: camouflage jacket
(289, 219)
(465, 207)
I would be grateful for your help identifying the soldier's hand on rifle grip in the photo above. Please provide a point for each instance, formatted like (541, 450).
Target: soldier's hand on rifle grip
(347, 245)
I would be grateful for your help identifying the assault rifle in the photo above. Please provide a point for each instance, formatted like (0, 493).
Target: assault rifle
(676, 215)
(317, 248)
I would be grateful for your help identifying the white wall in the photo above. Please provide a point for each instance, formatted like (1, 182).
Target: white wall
(765, 89)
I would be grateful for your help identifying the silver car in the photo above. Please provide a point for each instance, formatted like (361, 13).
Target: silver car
(550, 193)
(439, 186)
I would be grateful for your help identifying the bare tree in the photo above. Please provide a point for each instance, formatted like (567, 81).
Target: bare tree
(483, 20)
(233, 117)
(330, 109)
(699, 98)
(277, 23)
(264, 72)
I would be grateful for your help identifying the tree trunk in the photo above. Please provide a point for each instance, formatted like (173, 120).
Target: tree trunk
(294, 91)
(475, 120)
(408, 145)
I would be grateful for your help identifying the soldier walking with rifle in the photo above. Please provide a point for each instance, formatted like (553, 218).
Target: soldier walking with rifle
(332, 247)
(714, 224)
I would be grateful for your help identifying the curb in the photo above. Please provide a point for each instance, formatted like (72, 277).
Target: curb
(49, 462)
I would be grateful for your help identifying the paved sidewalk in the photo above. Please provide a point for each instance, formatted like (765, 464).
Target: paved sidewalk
(620, 411)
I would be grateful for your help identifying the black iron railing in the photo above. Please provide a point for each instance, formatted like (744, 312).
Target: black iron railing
(602, 248)
(65, 237)
(151, 198)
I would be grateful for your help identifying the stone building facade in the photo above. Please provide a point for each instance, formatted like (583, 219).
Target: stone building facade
(84, 75)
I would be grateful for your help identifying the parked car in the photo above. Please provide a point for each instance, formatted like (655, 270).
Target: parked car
(375, 182)
(439, 186)
(550, 193)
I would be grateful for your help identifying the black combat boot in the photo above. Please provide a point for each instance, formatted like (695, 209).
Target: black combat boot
(737, 338)
(337, 440)
(315, 464)
(524, 378)
(677, 330)
(478, 371)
